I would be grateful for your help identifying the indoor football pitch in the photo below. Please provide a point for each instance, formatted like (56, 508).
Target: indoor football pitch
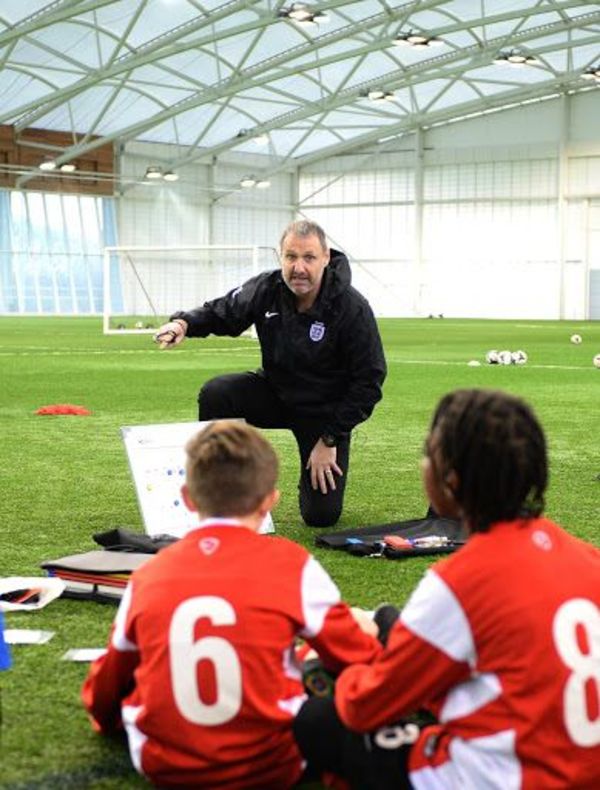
(67, 477)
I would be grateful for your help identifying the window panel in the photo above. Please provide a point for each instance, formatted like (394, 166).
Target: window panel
(53, 264)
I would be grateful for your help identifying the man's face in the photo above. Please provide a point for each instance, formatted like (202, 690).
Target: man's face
(303, 262)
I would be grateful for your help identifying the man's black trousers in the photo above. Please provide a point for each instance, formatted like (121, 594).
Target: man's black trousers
(250, 396)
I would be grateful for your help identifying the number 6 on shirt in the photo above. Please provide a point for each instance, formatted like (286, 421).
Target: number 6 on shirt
(185, 653)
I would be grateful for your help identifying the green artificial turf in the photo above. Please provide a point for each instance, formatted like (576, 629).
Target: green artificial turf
(66, 477)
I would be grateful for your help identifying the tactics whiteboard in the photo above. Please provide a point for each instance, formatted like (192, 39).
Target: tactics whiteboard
(156, 455)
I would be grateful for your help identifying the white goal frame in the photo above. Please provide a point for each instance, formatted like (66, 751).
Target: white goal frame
(254, 251)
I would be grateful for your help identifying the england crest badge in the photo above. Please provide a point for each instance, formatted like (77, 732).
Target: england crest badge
(317, 330)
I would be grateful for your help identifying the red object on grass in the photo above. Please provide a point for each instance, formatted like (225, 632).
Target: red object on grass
(63, 408)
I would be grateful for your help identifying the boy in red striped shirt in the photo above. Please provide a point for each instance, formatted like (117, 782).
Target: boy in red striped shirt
(201, 667)
(500, 641)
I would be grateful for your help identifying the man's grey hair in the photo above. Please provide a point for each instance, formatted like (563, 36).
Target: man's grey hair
(304, 228)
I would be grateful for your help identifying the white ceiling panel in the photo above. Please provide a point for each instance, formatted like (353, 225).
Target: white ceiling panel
(210, 76)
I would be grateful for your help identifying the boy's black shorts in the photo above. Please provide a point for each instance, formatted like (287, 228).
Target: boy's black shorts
(373, 761)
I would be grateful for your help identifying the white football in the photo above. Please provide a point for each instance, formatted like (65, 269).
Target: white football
(519, 357)
(505, 358)
(492, 357)
(576, 339)
(139, 325)
(597, 361)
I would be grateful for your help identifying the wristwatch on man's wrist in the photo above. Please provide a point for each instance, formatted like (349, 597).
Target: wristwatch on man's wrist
(329, 439)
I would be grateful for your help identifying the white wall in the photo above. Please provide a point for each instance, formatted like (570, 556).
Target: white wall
(492, 219)
(205, 206)
(161, 213)
(250, 216)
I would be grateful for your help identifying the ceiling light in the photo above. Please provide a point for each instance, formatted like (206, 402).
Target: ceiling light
(247, 182)
(169, 175)
(416, 40)
(593, 73)
(68, 167)
(304, 15)
(515, 58)
(261, 139)
(300, 13)
(380, 95)
(153, 173)
(47, 165)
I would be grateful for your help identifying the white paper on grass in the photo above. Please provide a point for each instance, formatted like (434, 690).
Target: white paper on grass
(26, 636)
(156, 455)
(84, 654)
(48, 589)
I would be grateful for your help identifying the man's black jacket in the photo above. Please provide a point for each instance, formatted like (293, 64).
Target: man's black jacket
(327, 362)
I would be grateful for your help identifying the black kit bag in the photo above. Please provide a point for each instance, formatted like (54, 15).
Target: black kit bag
(119, 539)
(399, 539)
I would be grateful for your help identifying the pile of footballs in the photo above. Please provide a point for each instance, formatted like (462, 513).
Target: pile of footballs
(577, 340)
(494, 357)
(519, 357)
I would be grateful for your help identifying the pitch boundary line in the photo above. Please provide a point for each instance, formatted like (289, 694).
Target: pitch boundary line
(45, 351)
(484, 365)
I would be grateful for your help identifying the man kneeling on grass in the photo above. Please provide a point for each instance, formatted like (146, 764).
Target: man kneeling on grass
(200, 669)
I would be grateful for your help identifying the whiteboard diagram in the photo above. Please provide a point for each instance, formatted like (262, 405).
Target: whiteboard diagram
(156, 455)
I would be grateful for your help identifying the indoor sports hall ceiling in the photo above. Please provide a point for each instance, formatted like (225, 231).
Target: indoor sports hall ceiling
(299, 81)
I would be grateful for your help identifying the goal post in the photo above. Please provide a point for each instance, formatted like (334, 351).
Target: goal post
(143, 286)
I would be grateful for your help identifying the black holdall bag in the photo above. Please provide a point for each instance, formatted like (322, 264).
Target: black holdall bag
(120, 539)
(399, 539)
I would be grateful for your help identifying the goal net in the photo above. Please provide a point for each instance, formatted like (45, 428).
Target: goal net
(143, 286)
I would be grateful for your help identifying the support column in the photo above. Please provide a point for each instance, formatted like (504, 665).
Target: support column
(418, 283)
(211, 200)
(561, 202)
(295, 192)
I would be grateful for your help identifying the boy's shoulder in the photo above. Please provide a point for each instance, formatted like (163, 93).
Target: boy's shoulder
(206, 544)
(516, 550)
(487, 553)
(283, 547)
(239, 564)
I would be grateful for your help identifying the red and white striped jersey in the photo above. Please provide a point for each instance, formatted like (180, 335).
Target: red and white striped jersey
(201, 668)
(502, 642)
